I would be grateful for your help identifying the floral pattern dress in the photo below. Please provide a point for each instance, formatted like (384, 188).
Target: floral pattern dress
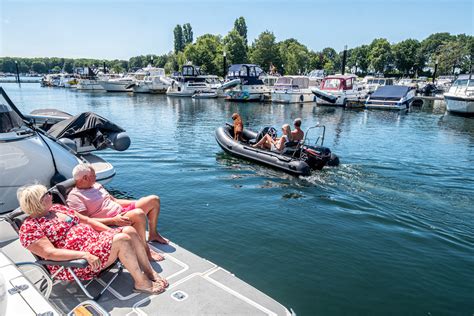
(69, 234)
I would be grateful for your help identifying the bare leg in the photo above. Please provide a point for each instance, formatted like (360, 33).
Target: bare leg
(138, 219)
(123, 249)
(151, 206)
(265, 142)
(142, 256)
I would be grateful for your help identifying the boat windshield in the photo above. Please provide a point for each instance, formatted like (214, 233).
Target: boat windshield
(9, 119)
(332, 83)
(463, 82)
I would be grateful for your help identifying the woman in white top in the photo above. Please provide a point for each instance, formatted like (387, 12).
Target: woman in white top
(278, 144)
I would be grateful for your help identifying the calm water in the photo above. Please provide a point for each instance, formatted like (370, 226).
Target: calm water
(390, 231)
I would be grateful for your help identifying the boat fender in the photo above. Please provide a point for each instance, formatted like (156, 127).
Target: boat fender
(119, 141)
(69, 143)
(301, 98)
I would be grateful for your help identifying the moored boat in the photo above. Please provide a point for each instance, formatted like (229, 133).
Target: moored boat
(292, 89)
(338, 90)
(391, 98)
(460, 97)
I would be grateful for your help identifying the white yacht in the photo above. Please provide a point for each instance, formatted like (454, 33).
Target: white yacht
(29, 153)
(338, 90)
(155, 81)
(120, 84)
(460, 97)
(248, 83)
(371, 83)
(292, 89)
(187, 83)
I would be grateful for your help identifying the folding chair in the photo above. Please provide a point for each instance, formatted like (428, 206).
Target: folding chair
(16, 219)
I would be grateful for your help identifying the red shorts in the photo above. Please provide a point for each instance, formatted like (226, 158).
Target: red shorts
(130, 207)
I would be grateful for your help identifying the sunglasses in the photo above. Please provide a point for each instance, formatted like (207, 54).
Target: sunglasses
(45, 195)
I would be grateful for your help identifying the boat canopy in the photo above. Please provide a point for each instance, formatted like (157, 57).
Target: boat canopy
(244, 70)
(86, 123)
(293, 82)
(10, 120)
(190, 71)
(390, 92)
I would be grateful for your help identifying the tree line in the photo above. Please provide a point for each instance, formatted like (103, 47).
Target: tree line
(407, 58)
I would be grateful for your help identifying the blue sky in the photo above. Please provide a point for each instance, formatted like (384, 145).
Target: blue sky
(122, 29)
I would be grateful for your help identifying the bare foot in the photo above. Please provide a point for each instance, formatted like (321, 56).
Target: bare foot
(154, 256)
(158, 238)
(154, 288)
(158, 279)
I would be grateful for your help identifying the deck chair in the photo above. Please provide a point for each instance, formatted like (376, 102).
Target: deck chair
(16, 219)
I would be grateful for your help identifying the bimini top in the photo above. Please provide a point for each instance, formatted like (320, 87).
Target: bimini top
(244, 70)
(390, 92)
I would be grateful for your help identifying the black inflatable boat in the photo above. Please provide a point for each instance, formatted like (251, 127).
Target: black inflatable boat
(297, 158)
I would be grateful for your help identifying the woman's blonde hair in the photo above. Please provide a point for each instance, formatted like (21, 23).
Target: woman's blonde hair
(30, 198)
(287, 129)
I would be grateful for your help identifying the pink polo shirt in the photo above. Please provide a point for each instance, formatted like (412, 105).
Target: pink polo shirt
(93, 202)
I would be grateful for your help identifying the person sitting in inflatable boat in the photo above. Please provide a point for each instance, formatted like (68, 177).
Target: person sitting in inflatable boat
(278, 144)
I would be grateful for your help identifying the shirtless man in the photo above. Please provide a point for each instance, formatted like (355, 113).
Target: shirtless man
(92, 199)
(297, 134)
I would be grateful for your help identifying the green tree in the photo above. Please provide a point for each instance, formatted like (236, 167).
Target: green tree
(331, 60)
(39, 67)
(315, 60)
(358, 58)
(407, 56)
(207, 53)
(380, 54)
(235, 48)
(264, 50)
(241, 27)
(430, 46)
(178, 39)
(294, 56)
(187, 34)
(450, 56)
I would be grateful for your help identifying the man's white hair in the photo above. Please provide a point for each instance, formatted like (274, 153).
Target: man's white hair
(81, 170)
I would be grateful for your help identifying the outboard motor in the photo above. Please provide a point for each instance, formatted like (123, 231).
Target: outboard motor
(315, 156)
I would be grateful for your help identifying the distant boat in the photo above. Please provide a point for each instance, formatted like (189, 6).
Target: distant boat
(460, 97)
(391, 98)
(292, 89)
(339, 90)
(187, 83)
(251, 86)
(205, 95)
(155, 81)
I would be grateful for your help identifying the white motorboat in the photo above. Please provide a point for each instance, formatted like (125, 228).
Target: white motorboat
(29, 154)
(292, 89)
(209, 94)
(339, 90)
(371, 83)
(250, 85)
(391, 98)
(155, 81)
(121, 84)
(460, 97)
(187, 83)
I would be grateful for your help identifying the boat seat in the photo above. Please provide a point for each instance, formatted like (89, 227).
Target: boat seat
(291, 147)
(16, 219)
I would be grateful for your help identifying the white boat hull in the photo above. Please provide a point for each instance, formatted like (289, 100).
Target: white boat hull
(249, 93)
(459, 104)
(342, 97)
(292, 97)
(116, 86)
(86, 84)
(27, 160)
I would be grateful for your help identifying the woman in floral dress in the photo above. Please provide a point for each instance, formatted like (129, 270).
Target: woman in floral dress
(55, 232)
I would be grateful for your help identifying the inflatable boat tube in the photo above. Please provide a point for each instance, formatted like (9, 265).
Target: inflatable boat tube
(324, 96)
(272, 159)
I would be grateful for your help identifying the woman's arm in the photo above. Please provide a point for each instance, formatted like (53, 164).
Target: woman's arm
(46, 250)
(280, 144)
(98, 226)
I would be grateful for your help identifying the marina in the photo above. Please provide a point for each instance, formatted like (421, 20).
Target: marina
(226, 158)
(346, 238)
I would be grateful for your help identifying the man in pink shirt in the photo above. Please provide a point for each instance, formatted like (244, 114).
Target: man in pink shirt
(93, 200)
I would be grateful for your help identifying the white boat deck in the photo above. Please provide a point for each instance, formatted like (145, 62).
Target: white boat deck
(197, 287)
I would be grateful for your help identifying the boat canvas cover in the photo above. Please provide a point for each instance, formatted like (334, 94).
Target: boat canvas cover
(86, 123)
(9, 119)
(390, 93)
